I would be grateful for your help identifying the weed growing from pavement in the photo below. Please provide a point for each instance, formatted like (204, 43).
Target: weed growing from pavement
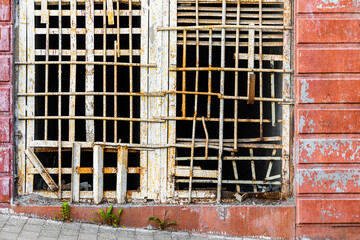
(64, 213)
(106, 217)
(162, 224)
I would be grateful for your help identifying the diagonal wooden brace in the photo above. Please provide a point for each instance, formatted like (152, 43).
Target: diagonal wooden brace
(41, 169)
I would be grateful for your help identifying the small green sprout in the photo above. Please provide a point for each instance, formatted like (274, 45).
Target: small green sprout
(162, 225)
(107, 217)
(64, 213)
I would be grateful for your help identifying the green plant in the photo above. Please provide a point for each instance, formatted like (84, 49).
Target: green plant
(107, 217)
(162, 225)
(64, 213)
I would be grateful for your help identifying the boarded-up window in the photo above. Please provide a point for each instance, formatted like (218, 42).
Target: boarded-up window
(153, 100)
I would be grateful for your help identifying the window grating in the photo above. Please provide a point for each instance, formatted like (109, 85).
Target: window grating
(127, 101)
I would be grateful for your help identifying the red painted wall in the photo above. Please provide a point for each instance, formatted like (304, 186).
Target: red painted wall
(327, 110)
(6, 118)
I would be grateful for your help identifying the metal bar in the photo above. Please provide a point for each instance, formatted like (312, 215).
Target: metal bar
(20, 109)
(236, 83)
(206, 138)
(89, 70)
(44, 174)
(60, 104)
(121, 179)
(172, 101)
(209, 73)
(221, 110)
(72, 69)
(44, 12)
(116, 43)
(261, 105)
(92, 94)
(253, 172)
(91, 118)
(223, 26)
(185, 171)
(87, 63)
(131, 71)
(75, 176)
(98, 176)
(236, 175)
(286, 109)
(30, 105)
(46, 68)
(251, 89)
(192, 157)
(183, 107)
(272, 83)
(144, 103)
(110, 11)
(227, 69)
(250, 182)
(105, 13)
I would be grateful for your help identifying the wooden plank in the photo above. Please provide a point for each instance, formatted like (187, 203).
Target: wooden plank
(44, 174)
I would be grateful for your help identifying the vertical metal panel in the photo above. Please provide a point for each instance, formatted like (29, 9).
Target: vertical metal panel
(144, 104)
(121, 176)
(155, 83)
(172, 101)
(20, 109)
(30, 105)
(72, 69)
(98, 175)
(75, 176)
(89, 84)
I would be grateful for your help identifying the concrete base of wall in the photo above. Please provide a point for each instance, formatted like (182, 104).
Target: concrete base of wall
(246, 221)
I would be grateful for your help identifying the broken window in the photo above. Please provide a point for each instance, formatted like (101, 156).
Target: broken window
(170, 101)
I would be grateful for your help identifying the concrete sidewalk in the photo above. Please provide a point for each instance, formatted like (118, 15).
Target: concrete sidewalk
(25, 228)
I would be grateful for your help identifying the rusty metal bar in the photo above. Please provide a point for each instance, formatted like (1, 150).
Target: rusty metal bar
(192, 157)
(223, 26)
(87, 63)
(110, 11)
(72, 69)
(60, 104)
(221, 110)
(105, 13)
(226, 69)
(131, 70)
(253, 171)
(236, 82)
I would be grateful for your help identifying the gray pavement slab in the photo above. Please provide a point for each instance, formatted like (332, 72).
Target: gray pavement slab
(20, 227)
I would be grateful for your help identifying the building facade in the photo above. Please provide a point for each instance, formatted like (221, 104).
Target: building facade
(250, 105)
